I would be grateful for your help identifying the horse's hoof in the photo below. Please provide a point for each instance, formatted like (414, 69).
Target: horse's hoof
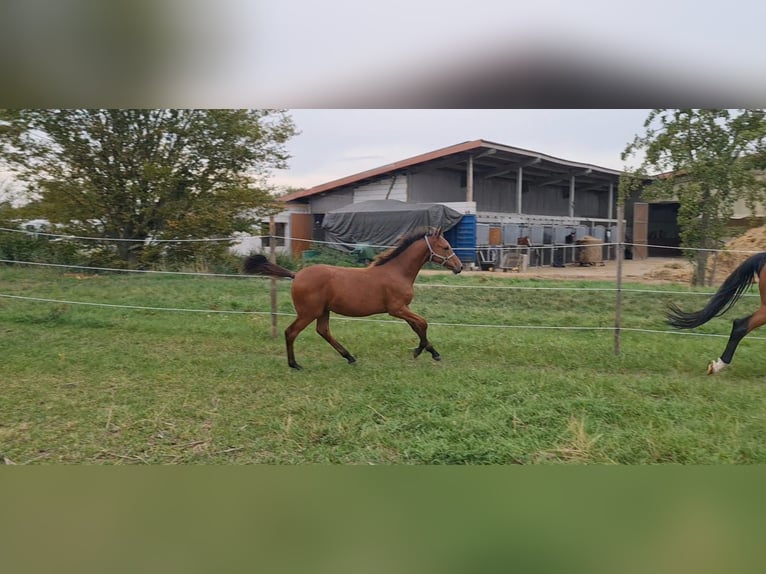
(716, 366)
(296, 366)
(437, 358)
(416, 352)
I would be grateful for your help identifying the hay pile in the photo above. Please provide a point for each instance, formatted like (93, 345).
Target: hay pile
(680, 272)
(722, 263)
(753, 241)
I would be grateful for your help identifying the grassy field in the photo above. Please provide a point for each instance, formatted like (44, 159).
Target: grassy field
(109, 385)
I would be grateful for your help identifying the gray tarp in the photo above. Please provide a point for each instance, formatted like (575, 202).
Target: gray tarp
(382, 222)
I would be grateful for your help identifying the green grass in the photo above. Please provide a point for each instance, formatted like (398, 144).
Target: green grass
(103, 385)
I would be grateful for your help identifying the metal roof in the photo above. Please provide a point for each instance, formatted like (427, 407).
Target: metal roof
(490, 160)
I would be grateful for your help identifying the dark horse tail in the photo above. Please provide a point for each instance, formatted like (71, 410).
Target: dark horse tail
(258, 264)
(724, 299)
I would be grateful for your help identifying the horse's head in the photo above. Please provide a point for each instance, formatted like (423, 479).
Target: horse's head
(441, 252)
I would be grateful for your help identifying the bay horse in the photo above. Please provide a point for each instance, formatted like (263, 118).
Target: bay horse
(384, 286)
(724, 299)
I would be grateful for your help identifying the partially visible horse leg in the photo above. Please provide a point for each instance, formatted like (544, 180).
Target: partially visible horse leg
(292, 331)
(420, 326)
(323, 328)
(740, 328)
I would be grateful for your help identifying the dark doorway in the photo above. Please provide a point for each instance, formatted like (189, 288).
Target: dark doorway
(317, 233)
(663, 233)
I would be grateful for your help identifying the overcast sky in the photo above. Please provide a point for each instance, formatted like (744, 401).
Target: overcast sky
(334, 143)
(393, 54)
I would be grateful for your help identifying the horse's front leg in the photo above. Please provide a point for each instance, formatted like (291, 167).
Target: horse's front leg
(420, 326)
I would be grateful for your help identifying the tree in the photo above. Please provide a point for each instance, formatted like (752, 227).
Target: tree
(707, 160)
(140, 174)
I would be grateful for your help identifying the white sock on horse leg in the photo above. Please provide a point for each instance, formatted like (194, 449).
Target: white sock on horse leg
(716, 366)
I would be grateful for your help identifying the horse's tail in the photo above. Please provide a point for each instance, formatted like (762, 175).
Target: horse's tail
(258, 264)
(724, 299)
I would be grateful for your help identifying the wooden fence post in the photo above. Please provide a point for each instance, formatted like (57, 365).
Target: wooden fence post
(619, 256)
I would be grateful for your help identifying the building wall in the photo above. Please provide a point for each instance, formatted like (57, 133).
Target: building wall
(435, 186)
(329, 201)
(591, 204)
(388, 188)
(251, 243)
(546, 200)
(742, 211)
(554, 200)
(496, 194)
(464, 207)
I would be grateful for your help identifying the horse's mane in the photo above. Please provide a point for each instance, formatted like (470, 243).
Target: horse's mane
(402, 244)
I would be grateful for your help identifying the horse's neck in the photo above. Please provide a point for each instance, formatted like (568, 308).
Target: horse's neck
(411, 260)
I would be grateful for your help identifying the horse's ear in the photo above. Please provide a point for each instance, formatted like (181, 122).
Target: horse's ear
(438, 232)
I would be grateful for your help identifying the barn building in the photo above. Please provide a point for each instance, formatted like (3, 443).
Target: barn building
(503, 193)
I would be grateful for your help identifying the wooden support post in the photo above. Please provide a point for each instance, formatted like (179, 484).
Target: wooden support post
(273, 259)
(610, 207)
(571, 196)
(469, 180)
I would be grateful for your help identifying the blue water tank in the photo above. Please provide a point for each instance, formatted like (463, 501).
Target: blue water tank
(462, 237)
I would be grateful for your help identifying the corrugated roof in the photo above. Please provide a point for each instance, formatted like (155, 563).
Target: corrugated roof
(439, 154)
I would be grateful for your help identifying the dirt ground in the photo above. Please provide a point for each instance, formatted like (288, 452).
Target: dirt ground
(657, 269)
(649, 270)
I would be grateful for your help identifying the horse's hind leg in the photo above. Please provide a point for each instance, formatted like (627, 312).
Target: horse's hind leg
(291, 333)
(420, 326)
(323, 328)
(739, 329)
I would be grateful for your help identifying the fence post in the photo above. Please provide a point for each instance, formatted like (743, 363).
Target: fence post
(619, 256)
(273, 259)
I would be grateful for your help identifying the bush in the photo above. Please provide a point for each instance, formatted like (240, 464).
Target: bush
(203, 257)
(36, 248)
(330, 256)
(196, 257)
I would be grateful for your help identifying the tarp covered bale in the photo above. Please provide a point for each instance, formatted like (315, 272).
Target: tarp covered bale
(382, 222)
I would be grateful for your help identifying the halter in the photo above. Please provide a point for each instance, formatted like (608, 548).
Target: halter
(433, 254)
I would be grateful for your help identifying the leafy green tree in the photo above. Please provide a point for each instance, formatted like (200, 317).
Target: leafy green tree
(707, 160)
(146, 173)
